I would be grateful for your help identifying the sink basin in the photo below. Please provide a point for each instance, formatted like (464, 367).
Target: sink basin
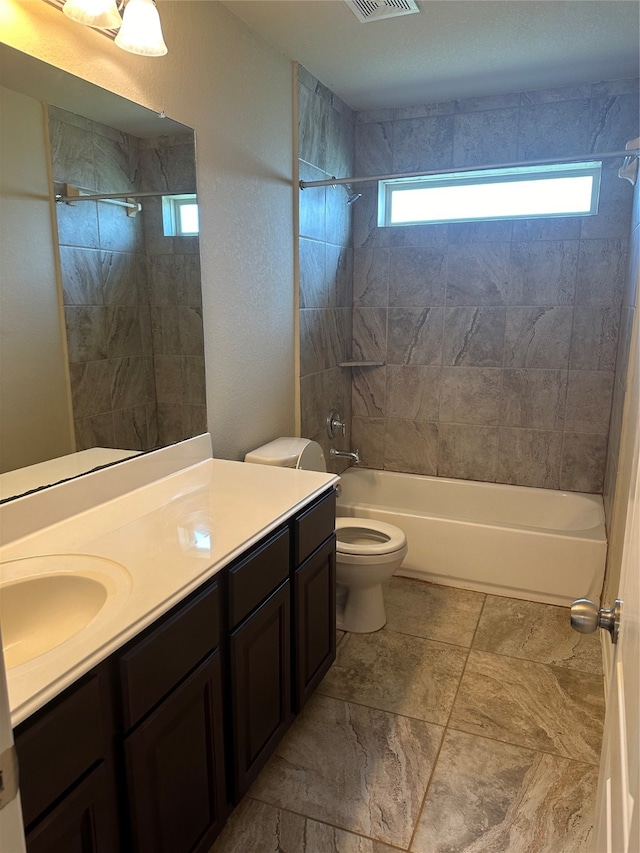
(46, 600)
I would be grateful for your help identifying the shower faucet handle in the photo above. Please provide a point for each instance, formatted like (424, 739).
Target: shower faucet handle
(335, 424)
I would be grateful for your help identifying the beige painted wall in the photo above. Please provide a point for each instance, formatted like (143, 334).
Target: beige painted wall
(35, 422)
(235, 91)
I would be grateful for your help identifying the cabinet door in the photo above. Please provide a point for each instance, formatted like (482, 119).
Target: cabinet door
(261, 686)
(175, 768)
(84, 822)
(315, 620)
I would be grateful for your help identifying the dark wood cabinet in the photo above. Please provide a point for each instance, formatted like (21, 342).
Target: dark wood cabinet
(315, 620)
(175, 768)
(149, 751)
(83, 822)
(260, 677)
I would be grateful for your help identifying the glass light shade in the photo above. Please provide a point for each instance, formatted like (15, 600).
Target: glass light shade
(141, 31)
(102, 14)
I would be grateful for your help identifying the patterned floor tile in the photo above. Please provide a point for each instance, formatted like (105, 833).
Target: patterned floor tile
(356, 768)
(537, 632)
(489, 797)
(397, 672)
(550, 708)
(434, 612)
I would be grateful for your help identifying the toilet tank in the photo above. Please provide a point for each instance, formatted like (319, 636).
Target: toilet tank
(290, 452)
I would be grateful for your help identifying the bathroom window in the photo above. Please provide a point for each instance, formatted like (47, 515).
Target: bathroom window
(180, 215)
(522, 192)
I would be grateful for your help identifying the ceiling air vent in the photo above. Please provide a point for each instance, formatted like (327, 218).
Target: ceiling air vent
(377, 10)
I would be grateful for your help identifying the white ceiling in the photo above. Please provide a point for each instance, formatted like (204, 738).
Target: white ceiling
(452, 48)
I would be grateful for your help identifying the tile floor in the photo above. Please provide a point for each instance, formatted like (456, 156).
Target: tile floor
(469, 724)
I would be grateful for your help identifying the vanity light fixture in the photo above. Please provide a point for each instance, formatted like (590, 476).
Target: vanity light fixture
(102, 14)
(139, 27)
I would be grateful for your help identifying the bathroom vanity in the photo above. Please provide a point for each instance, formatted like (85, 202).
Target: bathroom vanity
(159, 732)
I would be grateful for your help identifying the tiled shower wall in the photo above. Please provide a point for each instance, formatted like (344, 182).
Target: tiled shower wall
(112, 288)
(499, 339)
(326, 144)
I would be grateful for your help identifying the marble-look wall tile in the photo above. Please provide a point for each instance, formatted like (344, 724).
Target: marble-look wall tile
(555, 129)
(411, 446)
(470, 395)
(170, 422)
(81, 276)
(165, 330)
(414, 335)
(543, 273)
(594, 337)
(374, 148)
(112, 163)
(527, 800)
(371, 277)
(583, 461)
(72, 152)
(478, 274)
(528, 457)
(412, 392)
(130, 428)
(312, 203)
(313, 290)
(367, 435)
(474, 337)
(601, 272)
(190, 331)
(368, 391)
(86, 332)
(77, 224)
(484, 137)
(119, 272)
(313, 414)
(123, 331)
(130, 382)
(538, 337)
(417, 277)
(369, 334)
(95, 431)
(90, 388)
(312, 357)
(337, 324)
(589, 401)
(534, 399)
(423, 143)
(339, 276)
(467, 452)
(193, 380)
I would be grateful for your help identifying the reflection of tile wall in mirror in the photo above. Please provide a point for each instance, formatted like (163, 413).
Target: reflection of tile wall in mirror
(101, 142)
(139, 309)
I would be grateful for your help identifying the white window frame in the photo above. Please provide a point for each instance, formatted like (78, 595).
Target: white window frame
(171, 205)
(387, 188)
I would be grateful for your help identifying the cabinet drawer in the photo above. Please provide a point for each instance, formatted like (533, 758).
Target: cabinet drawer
(84, 822)
(154, 665)
(313, 526)
(253, 579)
(56, 749)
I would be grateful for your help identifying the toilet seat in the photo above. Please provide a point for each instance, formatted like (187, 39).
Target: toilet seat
(379, 537)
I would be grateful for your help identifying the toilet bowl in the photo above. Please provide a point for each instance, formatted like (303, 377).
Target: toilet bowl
(368, 551)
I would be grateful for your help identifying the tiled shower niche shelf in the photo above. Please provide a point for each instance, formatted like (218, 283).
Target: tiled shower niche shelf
(361, 364)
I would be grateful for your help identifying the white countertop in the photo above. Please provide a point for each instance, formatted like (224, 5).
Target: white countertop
(168, 537)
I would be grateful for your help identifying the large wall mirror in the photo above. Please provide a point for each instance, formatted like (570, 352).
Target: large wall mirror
(101, 340)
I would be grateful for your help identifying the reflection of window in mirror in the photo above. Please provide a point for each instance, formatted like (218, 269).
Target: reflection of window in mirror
(180, 215)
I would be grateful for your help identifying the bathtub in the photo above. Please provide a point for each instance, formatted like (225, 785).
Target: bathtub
(536, 544)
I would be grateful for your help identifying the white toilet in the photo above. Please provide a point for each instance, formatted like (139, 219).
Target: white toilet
(368, 551)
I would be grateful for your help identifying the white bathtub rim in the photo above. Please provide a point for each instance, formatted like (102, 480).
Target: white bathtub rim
(347, 509)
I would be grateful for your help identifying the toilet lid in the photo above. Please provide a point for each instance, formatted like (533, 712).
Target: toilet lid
(368, 536)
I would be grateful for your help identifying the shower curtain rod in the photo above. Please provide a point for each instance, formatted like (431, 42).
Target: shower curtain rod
(113, 197)
(629, 152)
